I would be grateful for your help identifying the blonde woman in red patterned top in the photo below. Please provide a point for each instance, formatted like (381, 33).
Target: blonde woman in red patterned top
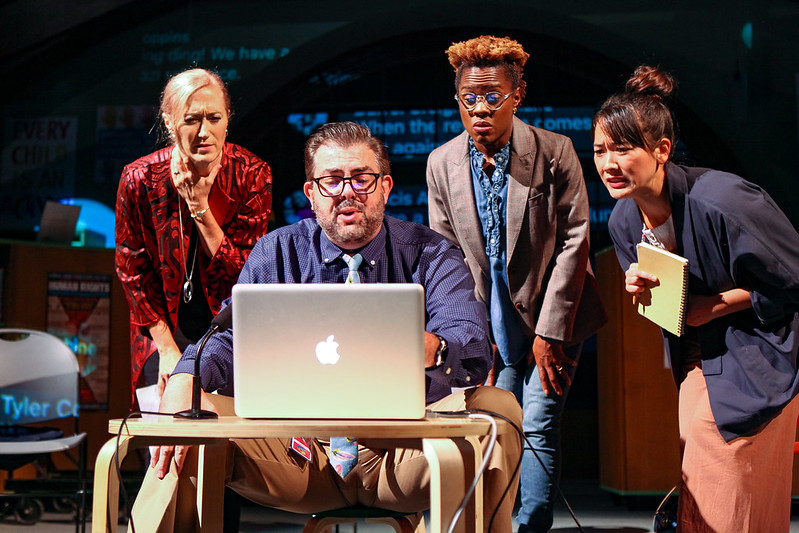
(187, 217)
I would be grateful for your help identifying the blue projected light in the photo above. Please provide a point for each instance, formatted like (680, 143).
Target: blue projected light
(746, 35)
(411, 134)
(306, 123)
(95, 219)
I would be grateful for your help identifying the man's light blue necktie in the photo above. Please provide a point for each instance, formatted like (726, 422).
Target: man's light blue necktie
(353, 262)
(343, 450)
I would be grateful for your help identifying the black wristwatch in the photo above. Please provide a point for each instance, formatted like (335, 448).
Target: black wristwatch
(441, 352)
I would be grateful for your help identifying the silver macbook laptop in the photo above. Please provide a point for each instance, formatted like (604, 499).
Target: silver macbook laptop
(329, 350)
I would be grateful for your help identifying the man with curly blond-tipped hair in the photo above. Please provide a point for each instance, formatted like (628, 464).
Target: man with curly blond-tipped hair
(513, 198)
(490, 51)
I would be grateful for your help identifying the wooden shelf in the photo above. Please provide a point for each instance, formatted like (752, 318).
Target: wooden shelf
(639, 447)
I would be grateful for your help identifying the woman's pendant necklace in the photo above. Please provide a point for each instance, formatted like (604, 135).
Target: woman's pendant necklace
(188, 286)
(187, 291)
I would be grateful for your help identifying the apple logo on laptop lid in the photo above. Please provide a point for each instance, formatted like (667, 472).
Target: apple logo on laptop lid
(327, 351)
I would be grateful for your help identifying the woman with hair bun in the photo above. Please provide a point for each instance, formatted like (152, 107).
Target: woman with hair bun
(187, 217)
(736, 365)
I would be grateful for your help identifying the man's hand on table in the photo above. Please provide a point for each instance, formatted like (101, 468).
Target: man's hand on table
(177, 397)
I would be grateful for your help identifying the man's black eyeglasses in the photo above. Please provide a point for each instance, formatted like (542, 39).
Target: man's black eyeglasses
(362, 183)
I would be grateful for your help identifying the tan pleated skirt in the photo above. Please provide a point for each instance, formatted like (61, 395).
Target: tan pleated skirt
(739, 486)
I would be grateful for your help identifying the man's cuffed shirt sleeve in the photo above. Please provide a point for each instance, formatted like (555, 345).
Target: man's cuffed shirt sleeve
(455, 315)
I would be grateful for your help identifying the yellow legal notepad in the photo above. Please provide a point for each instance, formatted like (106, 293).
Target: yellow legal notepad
(663, 303)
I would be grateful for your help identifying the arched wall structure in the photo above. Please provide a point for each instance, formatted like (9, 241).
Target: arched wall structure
(736, 62)
(81, 80)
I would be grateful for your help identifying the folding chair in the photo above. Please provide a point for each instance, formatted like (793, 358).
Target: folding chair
(39, 383)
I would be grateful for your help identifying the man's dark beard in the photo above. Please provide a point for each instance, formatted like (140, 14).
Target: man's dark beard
(354, 232)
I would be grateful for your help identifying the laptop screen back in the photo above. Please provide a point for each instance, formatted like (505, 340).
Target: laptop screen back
(329, 350)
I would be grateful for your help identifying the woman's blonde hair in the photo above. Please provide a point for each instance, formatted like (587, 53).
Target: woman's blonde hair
(179, 89)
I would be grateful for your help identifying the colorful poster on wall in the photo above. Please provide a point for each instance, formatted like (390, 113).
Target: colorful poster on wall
(79, 312)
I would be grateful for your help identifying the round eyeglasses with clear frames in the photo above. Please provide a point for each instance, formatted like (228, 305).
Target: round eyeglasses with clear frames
(493, 100)
(362, 183)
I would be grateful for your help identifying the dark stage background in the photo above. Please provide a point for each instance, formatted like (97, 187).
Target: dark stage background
(82, 79)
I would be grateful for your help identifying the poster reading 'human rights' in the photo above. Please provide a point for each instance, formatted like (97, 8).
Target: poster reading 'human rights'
(79, 312)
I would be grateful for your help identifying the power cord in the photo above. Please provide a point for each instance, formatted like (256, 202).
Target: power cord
(483, 465)
(554, 484)
(543, 466)
(665, 518)
(518, 464)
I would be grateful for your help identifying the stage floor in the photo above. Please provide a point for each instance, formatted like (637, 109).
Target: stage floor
(597, 510)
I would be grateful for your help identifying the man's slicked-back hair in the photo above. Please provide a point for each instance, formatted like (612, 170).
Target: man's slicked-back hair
(490, 51)
(345, 134)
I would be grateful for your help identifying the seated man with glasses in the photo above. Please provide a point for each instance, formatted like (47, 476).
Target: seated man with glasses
(348, 183)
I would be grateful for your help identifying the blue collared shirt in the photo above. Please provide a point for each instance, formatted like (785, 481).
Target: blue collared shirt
(403, 252)
(491, 199)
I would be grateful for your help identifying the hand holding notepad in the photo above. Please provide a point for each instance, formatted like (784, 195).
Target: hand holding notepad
(664, 301)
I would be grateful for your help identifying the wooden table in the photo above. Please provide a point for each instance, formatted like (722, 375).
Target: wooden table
(450, 446)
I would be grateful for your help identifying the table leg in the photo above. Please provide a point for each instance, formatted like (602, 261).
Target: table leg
(105, 502)
(211, 486)
(477, 497)
(453, 461)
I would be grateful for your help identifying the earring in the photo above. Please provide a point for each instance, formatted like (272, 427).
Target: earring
(515, 109)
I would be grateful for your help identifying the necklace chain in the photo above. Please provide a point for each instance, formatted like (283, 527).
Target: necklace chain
(188, 286)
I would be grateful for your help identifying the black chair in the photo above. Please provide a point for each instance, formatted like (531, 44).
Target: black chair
(401, 522)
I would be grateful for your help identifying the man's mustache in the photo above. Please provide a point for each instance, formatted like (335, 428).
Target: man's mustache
(346, 204)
